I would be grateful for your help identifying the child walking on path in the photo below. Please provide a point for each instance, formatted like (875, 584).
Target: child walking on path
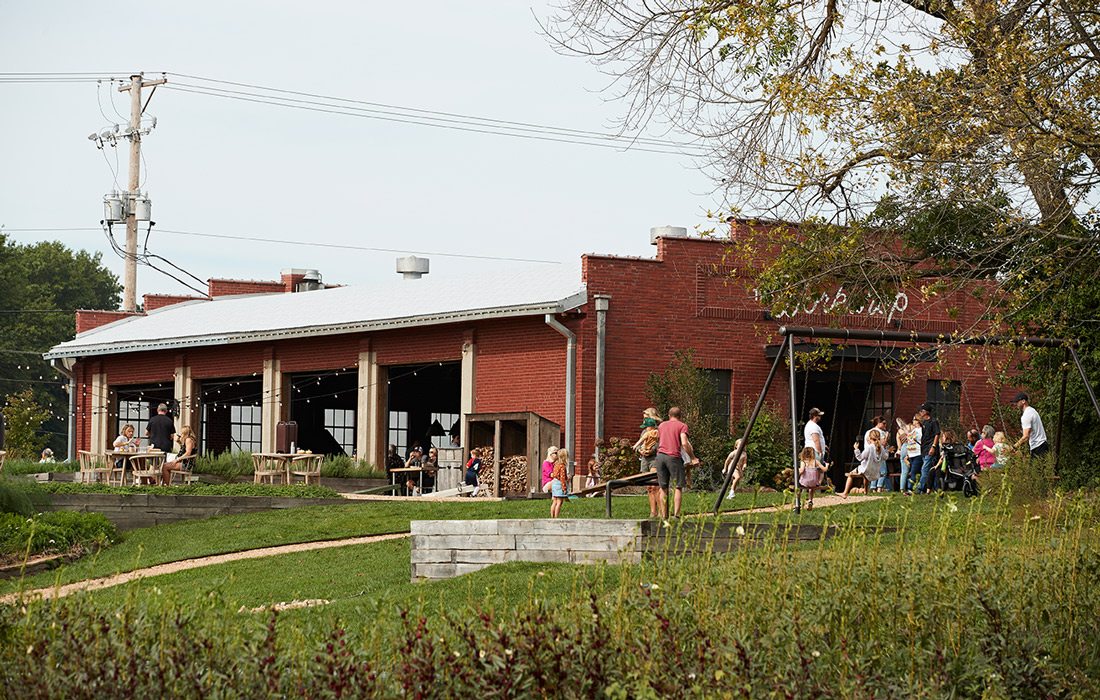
(558, 478)
(738, 470)
(811, 474)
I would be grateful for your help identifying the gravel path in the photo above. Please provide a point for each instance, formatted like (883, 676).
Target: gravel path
(173, 567)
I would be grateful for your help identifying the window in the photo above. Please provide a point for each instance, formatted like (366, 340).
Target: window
(720, 381)
(943, 398)
(399, 431)
(135, 413)
(880, 402)
(244, 428)
(340, 422)
(447, 421)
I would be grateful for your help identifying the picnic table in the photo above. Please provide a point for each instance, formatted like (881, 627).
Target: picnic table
(410, 471)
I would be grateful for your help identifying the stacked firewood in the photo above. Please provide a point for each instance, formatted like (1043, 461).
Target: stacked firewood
(513, 474)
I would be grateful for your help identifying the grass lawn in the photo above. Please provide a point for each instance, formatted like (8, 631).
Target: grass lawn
(196, 538)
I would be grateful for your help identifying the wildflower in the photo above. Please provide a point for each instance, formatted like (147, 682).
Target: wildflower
(481, 654)
(507, 652)
(952, 508)
(740, 531)
(815, 653)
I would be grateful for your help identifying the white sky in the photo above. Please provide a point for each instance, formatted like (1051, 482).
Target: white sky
(228, 167)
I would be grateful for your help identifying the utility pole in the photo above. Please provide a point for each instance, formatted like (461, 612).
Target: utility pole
(129, 277)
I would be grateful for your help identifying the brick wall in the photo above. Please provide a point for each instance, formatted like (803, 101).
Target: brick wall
(87, 319)
(225, 288)
(152, 302)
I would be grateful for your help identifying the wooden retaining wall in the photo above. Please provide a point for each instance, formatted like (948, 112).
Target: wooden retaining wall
(448, 548)
(131, 511)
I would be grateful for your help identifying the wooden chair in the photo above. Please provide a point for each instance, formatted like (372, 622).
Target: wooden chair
(93, 468)
(307, 467)
(146, 467)
(269, 468)
(3, 454)
(183, 467)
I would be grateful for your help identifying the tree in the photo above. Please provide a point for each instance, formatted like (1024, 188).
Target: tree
(24, 417)
(44, 283)
(969, 128)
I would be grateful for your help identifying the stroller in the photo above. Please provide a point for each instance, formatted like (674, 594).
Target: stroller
(962, 470)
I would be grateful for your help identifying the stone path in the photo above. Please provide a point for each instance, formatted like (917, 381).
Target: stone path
(186, 564)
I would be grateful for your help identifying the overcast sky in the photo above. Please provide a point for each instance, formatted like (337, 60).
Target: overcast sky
(229, 167)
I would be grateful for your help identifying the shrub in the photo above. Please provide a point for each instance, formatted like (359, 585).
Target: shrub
(236, 489)
(23, 417)
(618, 459)
(769, 444)
(33, 466)
(14, 498)
(228, 465)
(343, 467)
(58, 531)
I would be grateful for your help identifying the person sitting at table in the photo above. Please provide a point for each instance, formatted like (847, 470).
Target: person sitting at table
(415, 460)
(126, 441)
(430, 465)
(188, 445)
(393, 461)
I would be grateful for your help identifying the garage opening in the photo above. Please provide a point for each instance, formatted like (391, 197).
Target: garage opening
(323, 404)
(423, 405)
(231, 415)
(135, 405)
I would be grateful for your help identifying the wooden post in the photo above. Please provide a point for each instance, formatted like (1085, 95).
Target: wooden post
(1061, 411)
(496, 458)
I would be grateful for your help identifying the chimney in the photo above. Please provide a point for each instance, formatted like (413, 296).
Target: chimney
(412, 267)
(298, 280)
(666, 232)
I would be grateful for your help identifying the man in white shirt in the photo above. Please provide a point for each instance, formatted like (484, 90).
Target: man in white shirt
(814, 435)
(1034, 435)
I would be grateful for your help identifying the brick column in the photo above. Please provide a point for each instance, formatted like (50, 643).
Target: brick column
(467, 389)
(186, 392)
(369, 435)
(101, 406)
(273, 409)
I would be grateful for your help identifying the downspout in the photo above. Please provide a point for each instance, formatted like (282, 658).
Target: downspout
(570, 386)
(602, 303)
(59, 365)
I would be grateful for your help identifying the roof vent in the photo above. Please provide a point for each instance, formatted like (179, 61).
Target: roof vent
(412, 267)
(311, 281)
(666, 232)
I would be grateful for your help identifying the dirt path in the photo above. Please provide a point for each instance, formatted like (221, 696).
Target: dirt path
(173, 567)
(822, 501)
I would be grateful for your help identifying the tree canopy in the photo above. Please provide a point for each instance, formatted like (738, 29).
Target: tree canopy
(914, 137)
(44, 283)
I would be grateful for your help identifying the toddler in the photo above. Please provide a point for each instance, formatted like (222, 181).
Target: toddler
(811, 474)
(473, 468)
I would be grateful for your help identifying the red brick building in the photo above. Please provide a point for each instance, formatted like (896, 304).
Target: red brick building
(362, 366)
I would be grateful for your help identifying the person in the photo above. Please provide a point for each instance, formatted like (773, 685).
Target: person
(430, 465)
(160, 429)
(984, 449)
(911, 457)
(646, 447)
(871, 461)
(47, 457)
(672, 438)
(814, 435)
(811, 474)
(393, 461)
(929, 448)
(953, 454)
(1034, 435)
(415, 461)
(125, 442)
(548, 468)
(558, 478)
(879, 423)
(1001, 450)
(473, 468)
(972, 437)
(738, 470)
(188, 445)
(593, 476)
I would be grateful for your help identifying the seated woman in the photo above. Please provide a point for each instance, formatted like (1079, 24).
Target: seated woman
(430, 465)
(188, 447)
(127, 442)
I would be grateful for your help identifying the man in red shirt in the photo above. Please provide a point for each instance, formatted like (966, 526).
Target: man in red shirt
(670, 464)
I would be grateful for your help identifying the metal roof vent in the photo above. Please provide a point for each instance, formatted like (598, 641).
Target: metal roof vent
(666, 232)
(311, 281)
(412, 267)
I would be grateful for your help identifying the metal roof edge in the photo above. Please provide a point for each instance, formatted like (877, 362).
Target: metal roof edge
(569, 303)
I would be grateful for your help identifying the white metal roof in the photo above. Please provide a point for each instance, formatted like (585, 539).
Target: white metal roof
(390, 302)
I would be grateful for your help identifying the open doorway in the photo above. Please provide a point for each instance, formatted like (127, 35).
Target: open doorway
(231, 415)
(323, 404)
(423, 405)
(842, 399)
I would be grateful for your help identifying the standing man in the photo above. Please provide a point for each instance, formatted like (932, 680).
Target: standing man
(1034, 435)
(814, 435)
(160, 429)
(929, 449)
(670, 465)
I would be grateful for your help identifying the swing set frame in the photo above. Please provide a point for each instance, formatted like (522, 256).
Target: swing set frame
(789, 333)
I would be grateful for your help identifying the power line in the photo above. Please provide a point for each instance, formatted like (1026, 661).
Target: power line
(312, 244)
(428, 113)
